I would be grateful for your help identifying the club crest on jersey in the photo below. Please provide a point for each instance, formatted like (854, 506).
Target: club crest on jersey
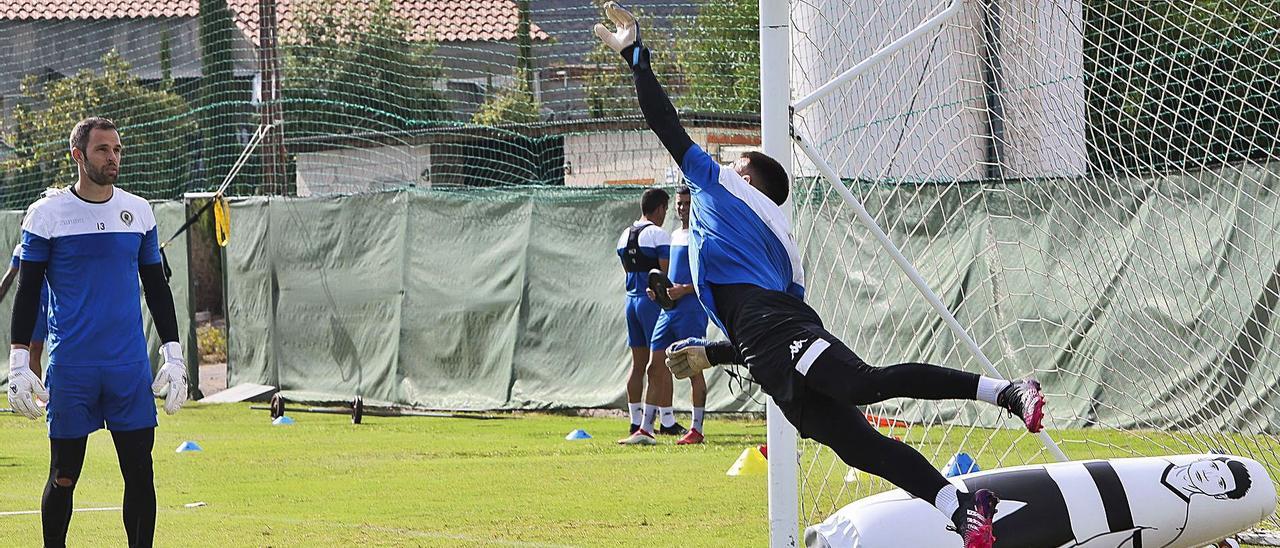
(127, 217)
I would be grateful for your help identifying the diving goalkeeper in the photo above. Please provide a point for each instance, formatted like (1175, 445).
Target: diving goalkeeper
(748, 276)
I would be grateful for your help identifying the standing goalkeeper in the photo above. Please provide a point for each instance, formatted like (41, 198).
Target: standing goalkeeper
(92, 242)
(748, 276)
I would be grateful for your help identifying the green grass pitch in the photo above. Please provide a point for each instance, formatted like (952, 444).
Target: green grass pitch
(414, 481)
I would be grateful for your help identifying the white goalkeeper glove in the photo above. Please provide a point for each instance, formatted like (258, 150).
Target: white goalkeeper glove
(688, 357)
(24, 384)
(625, 40)
(171, 381)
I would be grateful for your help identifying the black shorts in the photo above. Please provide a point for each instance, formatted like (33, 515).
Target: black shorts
(780, 338)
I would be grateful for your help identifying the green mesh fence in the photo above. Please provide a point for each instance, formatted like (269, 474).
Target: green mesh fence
(363, 95)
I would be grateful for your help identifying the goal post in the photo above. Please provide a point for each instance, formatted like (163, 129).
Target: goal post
(1083, 190)
(775, 140)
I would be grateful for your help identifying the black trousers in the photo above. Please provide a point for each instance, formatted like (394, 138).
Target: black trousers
(818, 383)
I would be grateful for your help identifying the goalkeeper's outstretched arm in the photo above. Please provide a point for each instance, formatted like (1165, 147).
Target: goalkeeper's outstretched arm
(659, 113)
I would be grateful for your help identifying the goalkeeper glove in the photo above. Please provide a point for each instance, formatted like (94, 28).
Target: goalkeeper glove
(23, 384)
(625, 40)
(688, 357)
(171, 381)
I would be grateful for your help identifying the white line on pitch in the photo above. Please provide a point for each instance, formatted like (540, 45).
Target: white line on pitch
(33, 512)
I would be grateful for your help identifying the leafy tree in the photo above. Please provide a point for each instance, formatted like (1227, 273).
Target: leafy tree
(514, 104)
(720, 59)
(348, 71)
(156, 126)
(224, 103)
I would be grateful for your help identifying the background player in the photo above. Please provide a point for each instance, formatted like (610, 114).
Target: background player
(686, 320)
(42, 319)
(642, 247)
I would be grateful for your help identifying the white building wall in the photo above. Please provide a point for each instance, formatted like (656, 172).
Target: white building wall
(921, 114)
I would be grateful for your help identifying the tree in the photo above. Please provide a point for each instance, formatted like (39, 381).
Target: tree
(348, 71)
(156, 126)
(224, 102)
(721, 60)
(514, 104)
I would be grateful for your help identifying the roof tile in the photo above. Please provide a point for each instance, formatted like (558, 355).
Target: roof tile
(442, 20)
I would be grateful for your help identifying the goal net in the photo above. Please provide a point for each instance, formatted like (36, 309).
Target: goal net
(1089, 186)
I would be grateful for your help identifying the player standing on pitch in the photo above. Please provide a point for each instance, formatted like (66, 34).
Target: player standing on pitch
(685, 318)
(748, 276)
(91, 242)
(643, 247)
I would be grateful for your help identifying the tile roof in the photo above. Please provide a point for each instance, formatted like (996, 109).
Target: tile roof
(96, 9)
(439, 20)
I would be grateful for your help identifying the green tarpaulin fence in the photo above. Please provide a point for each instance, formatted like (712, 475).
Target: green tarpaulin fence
(506, 299)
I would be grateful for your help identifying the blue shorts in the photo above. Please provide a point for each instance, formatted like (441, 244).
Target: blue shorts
(84, 399)
(642, 314)
(680, 323)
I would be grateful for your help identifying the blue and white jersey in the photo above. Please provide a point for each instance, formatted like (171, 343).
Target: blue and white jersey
(681, 272)
(654, 243)
(93, 251)
(737, 234)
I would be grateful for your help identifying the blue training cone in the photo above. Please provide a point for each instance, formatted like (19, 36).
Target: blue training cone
(960, 464)
(282, 421)
(188, 446)
(578, 434)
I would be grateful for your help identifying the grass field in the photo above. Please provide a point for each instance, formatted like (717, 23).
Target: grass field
(512, 481)
(404, 482)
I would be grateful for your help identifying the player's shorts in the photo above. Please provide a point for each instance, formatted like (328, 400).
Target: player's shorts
(781, 338)
(642, 315)
(85, 399)
(687, 319)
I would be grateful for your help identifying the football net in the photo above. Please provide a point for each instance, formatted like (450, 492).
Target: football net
(1089, 186)
(364, 96)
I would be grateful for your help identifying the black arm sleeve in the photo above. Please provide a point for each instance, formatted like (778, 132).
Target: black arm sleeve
(723, 353)
(159, 301)
(26, 302)
(656, 106)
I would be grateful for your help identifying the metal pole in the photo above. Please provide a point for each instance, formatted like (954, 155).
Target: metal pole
(775, 138)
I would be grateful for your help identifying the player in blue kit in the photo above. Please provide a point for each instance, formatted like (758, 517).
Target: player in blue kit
(643, 247)
(42, 315)
(91, 243)
(685, 319)
(749, 279)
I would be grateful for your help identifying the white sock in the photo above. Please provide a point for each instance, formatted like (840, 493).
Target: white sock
(989, 389)
(698, 413)
(637, 412)
(668, 416)
(947, 500)
(650, 413)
